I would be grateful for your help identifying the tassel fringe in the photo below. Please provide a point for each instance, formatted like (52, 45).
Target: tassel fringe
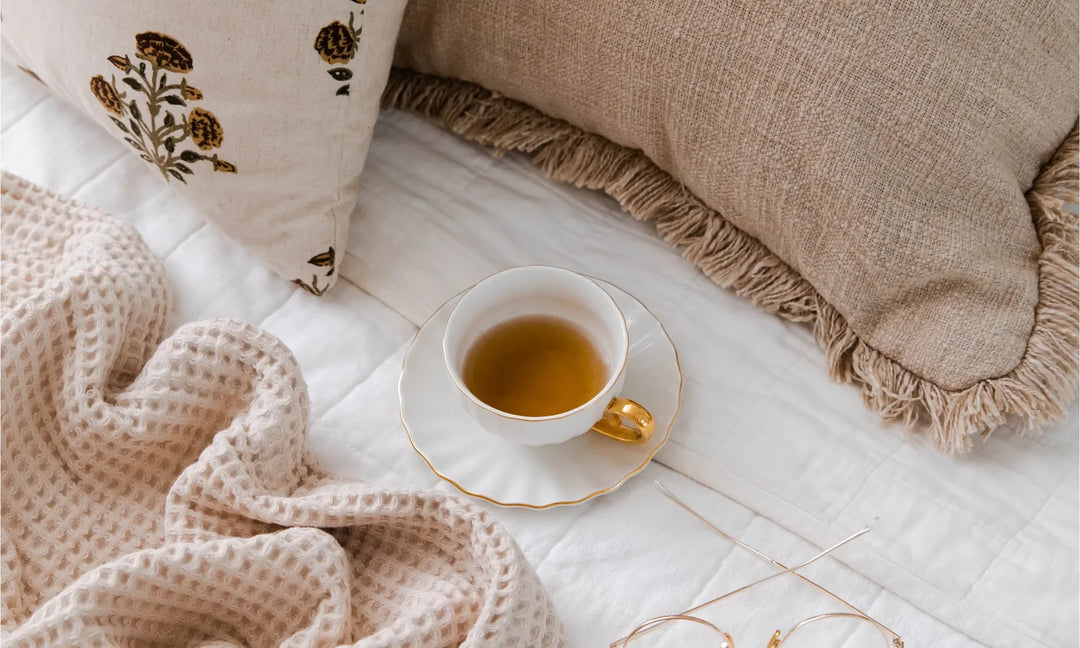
(1036, 391)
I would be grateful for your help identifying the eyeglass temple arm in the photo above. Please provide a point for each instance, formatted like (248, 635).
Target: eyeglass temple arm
(786, 570)
(686, 507)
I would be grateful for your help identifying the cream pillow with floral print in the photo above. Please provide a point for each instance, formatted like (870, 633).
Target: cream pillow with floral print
(259, 112)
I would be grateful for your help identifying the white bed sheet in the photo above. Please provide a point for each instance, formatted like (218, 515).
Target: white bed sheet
(986, 544)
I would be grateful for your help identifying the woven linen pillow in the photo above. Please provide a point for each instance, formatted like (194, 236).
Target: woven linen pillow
(892, 175)
(259, 112)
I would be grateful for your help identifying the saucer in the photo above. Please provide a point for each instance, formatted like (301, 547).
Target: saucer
(500, 471)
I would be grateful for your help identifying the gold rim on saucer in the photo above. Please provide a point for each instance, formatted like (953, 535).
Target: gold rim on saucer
(622, 480)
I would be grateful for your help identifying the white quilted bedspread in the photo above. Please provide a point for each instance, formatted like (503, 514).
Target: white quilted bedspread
(980, 549)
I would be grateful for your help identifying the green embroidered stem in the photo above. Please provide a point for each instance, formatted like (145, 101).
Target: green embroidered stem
(125, 108)
(165, 130)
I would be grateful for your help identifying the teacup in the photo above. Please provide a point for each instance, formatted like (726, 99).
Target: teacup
(570, 297)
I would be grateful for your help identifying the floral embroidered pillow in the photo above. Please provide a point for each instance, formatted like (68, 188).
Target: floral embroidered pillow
(260, 113)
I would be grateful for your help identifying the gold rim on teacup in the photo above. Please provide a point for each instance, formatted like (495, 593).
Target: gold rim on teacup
(578, 299)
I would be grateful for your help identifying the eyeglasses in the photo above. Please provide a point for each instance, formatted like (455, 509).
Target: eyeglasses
(724, 640)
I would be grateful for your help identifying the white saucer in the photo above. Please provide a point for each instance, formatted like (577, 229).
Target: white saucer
(512, 474)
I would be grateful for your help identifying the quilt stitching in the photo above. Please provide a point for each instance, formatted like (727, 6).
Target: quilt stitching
(15, 120)
(1017, 549)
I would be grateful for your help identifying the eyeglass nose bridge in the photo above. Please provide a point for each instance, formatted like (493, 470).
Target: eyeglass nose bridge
(779, 638)
(726, 640)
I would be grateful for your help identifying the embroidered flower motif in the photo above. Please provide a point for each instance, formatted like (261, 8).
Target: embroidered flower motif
(321, 260)
(206, 130)
(336, 44)
(314, 290)
(33, 75)
(150, 126)
(163, 51)
(223, 166)
(106, 94)
(121, 62)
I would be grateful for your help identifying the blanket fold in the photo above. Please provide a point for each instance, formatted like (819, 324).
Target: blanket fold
(156, 490)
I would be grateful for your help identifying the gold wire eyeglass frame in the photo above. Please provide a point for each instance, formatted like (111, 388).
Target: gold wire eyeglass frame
(890, 637)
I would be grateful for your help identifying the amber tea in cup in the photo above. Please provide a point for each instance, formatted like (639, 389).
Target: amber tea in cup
(539, 354)
(534, 365)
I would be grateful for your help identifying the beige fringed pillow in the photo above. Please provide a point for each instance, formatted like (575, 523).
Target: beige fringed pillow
(259, 112)
(893, 176)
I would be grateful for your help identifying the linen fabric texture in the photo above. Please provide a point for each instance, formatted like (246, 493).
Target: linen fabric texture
(892, 173)
(157, 492)
(260, 113)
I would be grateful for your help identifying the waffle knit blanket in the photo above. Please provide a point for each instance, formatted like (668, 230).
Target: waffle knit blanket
(156, 491)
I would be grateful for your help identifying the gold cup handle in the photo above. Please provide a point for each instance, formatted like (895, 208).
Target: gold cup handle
(626, 421)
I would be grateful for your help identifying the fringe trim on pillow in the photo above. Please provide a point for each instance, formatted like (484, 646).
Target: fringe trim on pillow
(1036, 391)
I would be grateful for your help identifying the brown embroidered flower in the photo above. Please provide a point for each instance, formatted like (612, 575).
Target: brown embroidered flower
(335, 43)
(106, 94)
(191, 93)
(323, 259)
(33, 76)
(121, 62)
(206, 130)
(163, 51)
(224, 167)
(313, 289)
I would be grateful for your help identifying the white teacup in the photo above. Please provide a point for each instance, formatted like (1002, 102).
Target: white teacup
(543, 290)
